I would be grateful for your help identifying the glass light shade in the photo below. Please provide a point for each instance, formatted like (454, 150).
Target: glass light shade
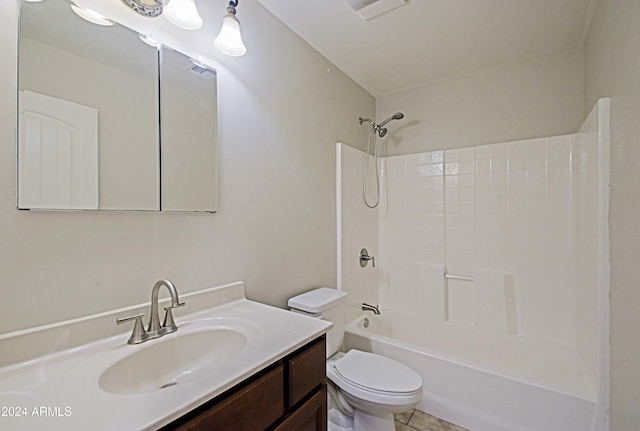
(183, 14)
(91, 16)
(229, 41)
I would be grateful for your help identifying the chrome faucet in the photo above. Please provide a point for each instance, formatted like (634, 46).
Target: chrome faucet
(154, 329)
(373, 308)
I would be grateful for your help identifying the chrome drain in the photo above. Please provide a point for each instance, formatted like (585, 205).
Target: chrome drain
(166, 385)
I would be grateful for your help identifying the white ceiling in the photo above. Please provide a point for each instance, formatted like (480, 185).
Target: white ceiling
(429, 40)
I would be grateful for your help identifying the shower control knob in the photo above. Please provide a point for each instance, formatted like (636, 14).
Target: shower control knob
(365, 258)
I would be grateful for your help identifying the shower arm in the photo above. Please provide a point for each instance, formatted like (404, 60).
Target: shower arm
(386, 121)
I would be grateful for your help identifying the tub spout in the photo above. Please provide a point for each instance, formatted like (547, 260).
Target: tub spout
(372, 308)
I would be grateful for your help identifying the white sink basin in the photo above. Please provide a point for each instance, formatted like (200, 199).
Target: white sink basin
(172, 360)
(200, 348)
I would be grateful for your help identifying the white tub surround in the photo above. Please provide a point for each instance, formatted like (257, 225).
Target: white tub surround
(496, 257)
(50, 375)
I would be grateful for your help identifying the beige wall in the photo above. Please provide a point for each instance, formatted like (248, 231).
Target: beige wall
(537, 97)
(612, 60)
(282, 109)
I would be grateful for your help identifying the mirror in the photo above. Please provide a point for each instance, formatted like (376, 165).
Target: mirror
(189, 111)
(108, 122)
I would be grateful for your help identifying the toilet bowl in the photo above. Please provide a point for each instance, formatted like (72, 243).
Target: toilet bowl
(366, 389)
(376, 387)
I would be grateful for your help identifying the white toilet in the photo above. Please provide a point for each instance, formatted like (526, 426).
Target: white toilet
(365, 389)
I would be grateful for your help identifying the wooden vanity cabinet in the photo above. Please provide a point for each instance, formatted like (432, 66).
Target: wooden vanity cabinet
(311, 416)
(289, 395)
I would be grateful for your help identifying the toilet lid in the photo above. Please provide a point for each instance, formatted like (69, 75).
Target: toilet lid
(377, 373)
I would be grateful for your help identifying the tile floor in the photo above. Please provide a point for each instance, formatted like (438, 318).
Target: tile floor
(416, 420)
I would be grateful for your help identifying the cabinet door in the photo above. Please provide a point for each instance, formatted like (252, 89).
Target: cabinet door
(252, 408)
(311, 416)
(306, 370)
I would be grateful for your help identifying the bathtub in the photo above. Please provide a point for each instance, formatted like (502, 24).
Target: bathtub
(473, 396)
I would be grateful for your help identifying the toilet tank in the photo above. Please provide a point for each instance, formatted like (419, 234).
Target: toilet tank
(327, 304)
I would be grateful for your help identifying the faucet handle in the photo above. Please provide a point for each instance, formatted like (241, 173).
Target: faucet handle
(168, 317)
(138, 334)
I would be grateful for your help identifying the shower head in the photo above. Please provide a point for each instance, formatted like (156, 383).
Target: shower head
(383, 130)
(396, 116)
(378, 127)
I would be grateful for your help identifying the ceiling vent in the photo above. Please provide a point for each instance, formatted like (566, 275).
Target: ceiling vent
(201, 71)
(369, 9)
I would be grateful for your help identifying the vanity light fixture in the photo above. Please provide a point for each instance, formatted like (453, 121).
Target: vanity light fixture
(149, 8)
(229, 41)
(90, 15)
(183, 14)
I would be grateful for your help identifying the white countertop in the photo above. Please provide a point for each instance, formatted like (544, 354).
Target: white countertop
(60, 391)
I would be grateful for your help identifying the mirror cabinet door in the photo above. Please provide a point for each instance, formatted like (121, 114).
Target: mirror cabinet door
(188, 130)
(89, 134)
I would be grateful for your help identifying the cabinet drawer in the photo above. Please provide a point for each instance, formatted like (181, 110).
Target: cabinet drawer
(253, 407)
(306, 371)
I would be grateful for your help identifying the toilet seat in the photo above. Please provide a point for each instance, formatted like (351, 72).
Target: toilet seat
(378, 374)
